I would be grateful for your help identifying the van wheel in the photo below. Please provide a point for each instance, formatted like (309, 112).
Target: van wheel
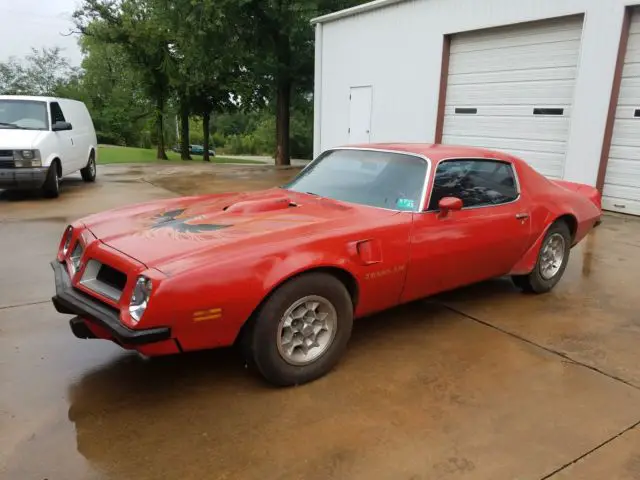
(89, 172)
(51, 187)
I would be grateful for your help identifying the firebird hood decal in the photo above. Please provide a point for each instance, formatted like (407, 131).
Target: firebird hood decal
(163, 232)
(173, 219)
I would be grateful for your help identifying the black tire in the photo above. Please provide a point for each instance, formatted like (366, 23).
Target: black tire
(89, 172)
(260, 339)
(51, 187)
(535, 282)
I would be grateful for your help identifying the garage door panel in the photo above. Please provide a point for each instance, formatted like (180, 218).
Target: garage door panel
(624, 152)
(505, 74)
(508, 127)
(520, 58)
(624, 172)
(622, 205)
(526, 75)
(534, 94)
(621, 192)
(511, 144)
(507, 110)
(475, 43)
(626, 132)
(631, 70)
(522, 32)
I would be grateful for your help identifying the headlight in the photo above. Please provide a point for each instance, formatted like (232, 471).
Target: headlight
(68, 233)
(140, 298)
(27, 158)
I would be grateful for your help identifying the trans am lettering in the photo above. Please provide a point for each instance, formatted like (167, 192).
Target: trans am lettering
(173, 220)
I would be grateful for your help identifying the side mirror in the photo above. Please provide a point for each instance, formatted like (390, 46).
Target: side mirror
(449, 204)
(60, 126)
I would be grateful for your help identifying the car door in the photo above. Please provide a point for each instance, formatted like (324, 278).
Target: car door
(482, 240)
(65, 140)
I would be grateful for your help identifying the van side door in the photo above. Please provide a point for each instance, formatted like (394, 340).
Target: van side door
(65, 141)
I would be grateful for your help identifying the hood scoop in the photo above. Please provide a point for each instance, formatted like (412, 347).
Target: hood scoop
(260, 205)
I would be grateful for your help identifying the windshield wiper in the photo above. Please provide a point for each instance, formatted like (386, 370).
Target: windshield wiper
(12, 125)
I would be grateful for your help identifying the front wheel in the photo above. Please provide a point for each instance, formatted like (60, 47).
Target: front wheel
(51, 187)
(302, 331)
(88, 173)
(552, 261)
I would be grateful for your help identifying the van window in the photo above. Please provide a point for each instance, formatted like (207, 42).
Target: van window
(23, 114)
(56, 113)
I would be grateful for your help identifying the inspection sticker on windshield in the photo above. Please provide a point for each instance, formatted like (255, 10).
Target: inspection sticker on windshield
(405, 204)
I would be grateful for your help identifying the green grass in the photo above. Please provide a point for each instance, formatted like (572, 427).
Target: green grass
(112, 154)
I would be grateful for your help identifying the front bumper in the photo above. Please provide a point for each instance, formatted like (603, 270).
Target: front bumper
(27, 178)
(68, 300)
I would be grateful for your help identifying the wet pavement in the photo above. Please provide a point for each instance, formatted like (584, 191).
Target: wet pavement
(480, 383)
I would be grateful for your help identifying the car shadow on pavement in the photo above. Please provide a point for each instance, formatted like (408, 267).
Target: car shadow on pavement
(132, 404)
(66, 185)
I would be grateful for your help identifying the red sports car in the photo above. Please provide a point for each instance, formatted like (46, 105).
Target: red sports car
(283, 272)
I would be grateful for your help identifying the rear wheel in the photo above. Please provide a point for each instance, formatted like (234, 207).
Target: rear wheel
(302, 330)
(552, 261)
(89, 172)
(51, 187)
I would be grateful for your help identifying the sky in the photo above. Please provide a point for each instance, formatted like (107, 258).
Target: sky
(37, 23)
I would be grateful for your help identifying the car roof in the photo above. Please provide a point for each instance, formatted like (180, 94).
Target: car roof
(437, 152)
(36, 98)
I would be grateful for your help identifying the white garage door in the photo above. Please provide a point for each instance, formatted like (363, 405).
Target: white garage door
(621, 191)
(511, 89)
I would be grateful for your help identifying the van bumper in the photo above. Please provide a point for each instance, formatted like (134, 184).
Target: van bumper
(22, 178)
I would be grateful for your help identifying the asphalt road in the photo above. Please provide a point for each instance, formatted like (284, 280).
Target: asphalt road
(480, 383)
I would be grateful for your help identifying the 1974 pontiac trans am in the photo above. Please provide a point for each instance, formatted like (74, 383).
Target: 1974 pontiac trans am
(282, 273)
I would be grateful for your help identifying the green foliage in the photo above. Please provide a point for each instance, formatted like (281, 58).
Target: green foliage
(42, 72)
(240, 69)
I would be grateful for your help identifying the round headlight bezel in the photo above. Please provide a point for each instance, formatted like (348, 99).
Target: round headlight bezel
(140, 298)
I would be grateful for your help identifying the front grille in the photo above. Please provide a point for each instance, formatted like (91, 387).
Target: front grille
(104, 279)
(6, 153)
(112, 277)
(6, 163)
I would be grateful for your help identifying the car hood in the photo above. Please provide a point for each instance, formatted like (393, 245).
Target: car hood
(18, 139)
(157, 233)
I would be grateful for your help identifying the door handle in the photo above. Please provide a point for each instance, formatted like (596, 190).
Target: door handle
(522, 216)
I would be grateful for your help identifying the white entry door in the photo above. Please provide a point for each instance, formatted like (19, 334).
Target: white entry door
(360, 115)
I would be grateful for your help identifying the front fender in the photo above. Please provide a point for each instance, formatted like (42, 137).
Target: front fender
(232, 290)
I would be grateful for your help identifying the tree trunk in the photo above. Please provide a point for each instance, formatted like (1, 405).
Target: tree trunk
(184, 131)
(161, 153)
(283, 117)
(206, 117)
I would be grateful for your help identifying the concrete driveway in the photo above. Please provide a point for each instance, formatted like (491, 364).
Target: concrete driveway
(480, 383)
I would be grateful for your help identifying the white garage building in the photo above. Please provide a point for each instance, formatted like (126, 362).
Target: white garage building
(556, 82)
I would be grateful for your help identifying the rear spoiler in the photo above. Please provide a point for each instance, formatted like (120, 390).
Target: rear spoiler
(592, 193)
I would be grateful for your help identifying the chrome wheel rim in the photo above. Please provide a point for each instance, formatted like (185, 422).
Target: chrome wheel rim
(57, 179)
(92, 167)
(552, 256)
(307, 330)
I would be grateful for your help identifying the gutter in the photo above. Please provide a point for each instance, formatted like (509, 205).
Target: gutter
(349, 12)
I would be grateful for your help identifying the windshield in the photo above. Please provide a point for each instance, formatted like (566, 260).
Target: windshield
(23, 114)
(378, 179)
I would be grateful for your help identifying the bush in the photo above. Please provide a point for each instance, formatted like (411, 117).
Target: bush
(110, 138)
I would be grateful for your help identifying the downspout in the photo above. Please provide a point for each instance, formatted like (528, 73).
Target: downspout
(317, 94)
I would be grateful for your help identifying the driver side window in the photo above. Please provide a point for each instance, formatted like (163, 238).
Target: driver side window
(477, 183)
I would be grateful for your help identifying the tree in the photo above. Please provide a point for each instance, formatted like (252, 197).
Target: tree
(136, 26)
(280, 35)
(42, 72)
(207, 58)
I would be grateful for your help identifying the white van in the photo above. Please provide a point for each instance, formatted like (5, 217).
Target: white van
(43, 139)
